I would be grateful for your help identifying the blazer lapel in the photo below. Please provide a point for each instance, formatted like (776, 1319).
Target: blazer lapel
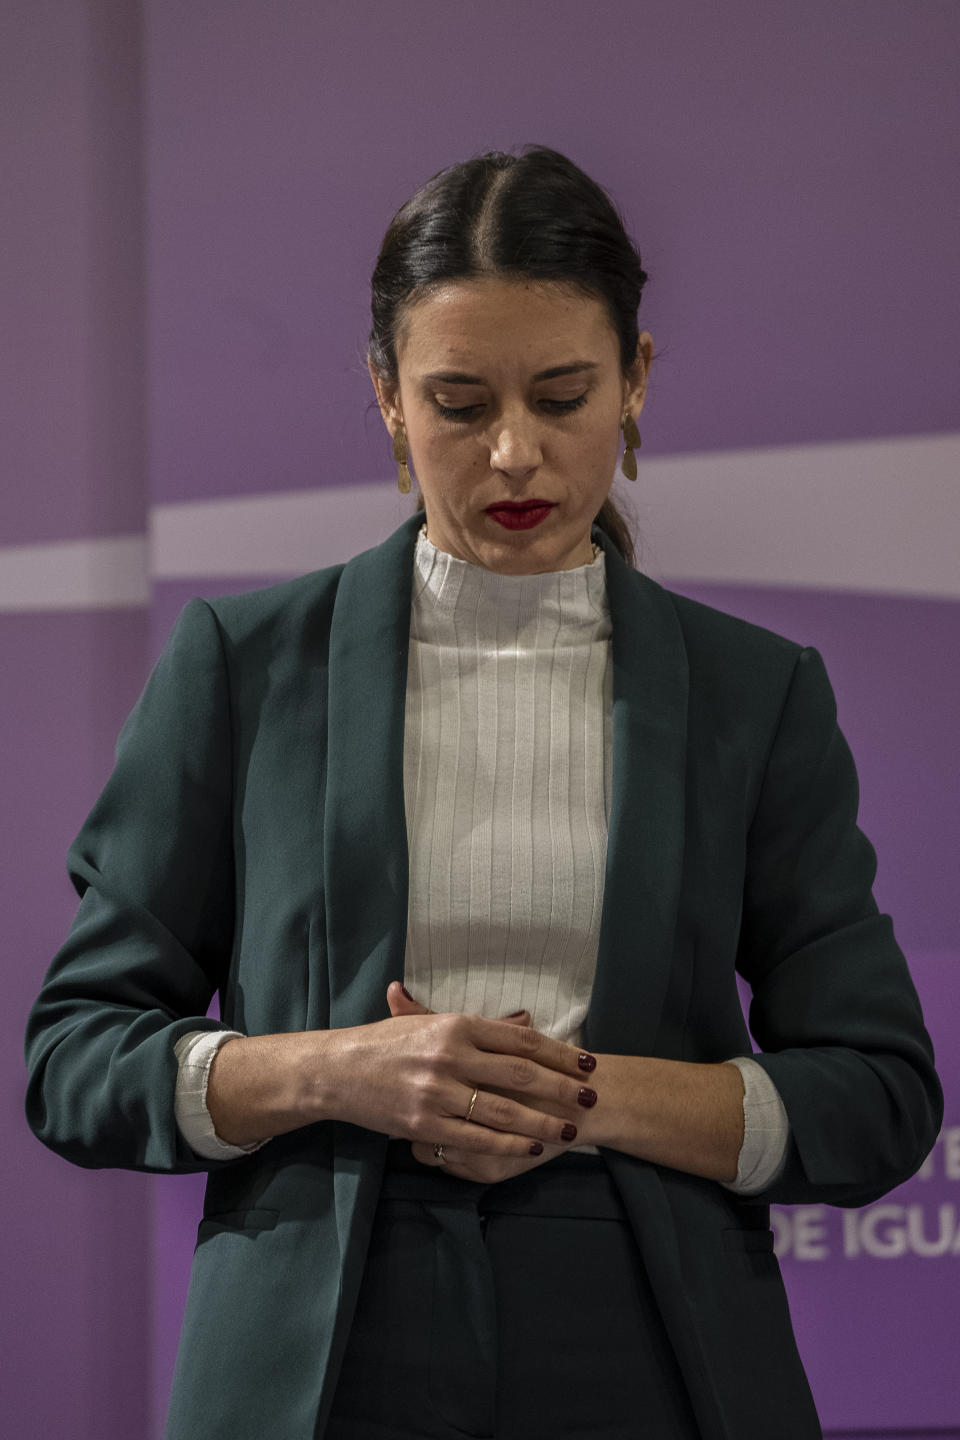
(365, 833)
(645, 841)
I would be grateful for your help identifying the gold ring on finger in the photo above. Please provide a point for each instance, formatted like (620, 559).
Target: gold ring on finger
(473, 1101)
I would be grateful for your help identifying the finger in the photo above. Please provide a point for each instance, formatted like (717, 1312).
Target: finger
(495, 1112)
(495, 1037)
(482, 1169)
(496, 1147)
(424, 1153)
(401, 1002)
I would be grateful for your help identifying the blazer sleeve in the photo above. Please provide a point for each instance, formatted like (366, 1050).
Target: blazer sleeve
(834, 1009)
(152, 938)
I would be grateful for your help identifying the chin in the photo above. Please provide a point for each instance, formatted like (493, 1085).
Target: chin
(521, 553)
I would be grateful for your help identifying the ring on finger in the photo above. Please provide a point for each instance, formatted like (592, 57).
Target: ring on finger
(473, 1101)
(438, 1153)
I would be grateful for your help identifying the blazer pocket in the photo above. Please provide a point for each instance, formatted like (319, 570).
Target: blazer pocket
(748, 1240)
(251, 1221)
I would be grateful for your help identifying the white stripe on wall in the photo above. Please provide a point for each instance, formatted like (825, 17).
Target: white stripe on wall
(279, 534)
(875, 516)
(103, 574)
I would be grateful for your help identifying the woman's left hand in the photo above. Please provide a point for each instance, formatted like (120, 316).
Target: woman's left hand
(485, 1169)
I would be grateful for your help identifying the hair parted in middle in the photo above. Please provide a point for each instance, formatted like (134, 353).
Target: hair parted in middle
(534, 216)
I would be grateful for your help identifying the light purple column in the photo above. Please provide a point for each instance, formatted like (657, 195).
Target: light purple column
(75, 1244)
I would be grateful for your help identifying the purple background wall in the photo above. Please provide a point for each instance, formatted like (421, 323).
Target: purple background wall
(194, 197)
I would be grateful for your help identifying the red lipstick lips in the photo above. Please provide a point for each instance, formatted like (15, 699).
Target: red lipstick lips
(520, 514)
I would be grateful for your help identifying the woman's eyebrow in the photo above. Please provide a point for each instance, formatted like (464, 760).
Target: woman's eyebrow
(457, 377)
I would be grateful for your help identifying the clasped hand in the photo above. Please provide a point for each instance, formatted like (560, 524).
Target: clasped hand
(515, 1126)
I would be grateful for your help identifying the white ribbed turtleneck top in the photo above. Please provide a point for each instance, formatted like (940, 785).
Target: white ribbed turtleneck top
(506, 773)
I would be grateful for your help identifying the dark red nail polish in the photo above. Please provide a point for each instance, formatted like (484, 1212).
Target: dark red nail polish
(407, 993)
(536, 1148)
(587, 1097)
(569, 1132)
(586, 1062)
(514, 1013)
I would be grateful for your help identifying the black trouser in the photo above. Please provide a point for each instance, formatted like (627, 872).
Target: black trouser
(519, 1311)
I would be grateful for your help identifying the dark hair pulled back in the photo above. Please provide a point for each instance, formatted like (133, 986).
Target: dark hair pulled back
(535, 215)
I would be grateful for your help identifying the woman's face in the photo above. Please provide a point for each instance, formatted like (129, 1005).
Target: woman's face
(512, 391)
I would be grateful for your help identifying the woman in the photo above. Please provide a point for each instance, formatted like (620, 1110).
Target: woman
(521, 1191)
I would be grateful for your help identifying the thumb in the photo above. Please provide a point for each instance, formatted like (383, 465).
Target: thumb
(401, 1002)
(519, 1017)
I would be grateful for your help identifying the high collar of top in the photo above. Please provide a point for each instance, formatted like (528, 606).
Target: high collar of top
(571, 604)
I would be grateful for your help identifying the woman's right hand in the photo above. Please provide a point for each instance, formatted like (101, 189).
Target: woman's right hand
(413, 1076)
(410, 1076)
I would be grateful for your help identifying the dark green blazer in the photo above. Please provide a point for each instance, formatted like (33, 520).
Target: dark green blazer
(252, 841)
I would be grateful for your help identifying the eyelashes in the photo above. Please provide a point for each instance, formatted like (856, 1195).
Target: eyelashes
(469, 412)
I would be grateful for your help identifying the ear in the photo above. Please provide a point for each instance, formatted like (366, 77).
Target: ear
(387, 398)
(636, 378)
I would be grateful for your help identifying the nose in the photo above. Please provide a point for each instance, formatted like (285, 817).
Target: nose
(515, 447)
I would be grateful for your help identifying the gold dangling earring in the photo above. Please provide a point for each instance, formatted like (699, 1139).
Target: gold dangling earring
(401, 455)
(631, 436)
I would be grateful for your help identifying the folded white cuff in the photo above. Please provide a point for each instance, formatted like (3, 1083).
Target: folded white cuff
(195, 1052)
(766, 1130)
